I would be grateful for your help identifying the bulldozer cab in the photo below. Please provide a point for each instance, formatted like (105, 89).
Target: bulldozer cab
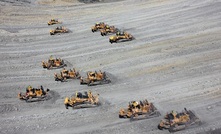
(97, 24)
(57, 62)
(101, 24)
(51, 59)
(81, 95)
(91, 74)
(65, 71)
(134, 104)
(174, 113)
(107, 27)
(170, 116)
(29, 88)
(59, 28)
(78, 95)
(72, 71)
(89, 94)
(120, 33)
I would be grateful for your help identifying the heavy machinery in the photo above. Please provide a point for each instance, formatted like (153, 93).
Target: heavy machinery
(53, 63)
(59, 77)
(108, 29)
(98, 26)
(123, 36)
(60, 29)
(174, 121)
(95, 78)
(54, 21)
(67, 74)
(139, 110)
(34, 94)
(81, 100)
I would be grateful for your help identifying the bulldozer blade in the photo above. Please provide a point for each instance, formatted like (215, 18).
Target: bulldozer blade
(193, 118)
(192, 115)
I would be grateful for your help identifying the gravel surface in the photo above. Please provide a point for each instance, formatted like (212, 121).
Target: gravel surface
(174, 62)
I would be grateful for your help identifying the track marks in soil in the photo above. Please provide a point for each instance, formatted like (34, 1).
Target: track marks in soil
(6, 108)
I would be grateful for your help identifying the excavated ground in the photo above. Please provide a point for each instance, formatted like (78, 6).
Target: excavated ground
(175, 62)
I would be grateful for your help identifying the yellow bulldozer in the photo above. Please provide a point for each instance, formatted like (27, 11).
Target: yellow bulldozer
(98, 26)
(108, 29)
(121, 36)
(174, 121)
(53, 63)
(60, 29)
(67, 74)
(80, 100)
(139, 110)
(95, 78)
(54, 21)
(34, 94)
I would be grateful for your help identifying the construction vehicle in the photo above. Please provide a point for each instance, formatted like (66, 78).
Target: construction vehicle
(67, 74)
(139, 110)
(98, 26)
(60, 77)
(174, 121)
(95, 78)
(108, 29)
(34, 94)
(80, 100)
(53, 63)
(60, 29)
(54, 21)
(123, 36)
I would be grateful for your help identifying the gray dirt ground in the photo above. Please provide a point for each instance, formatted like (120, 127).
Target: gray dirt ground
(175, 62)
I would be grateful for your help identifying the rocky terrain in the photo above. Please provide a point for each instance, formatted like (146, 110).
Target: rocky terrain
(174, 62)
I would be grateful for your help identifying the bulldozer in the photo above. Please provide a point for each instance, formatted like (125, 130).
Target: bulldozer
(98, 26)
(174, 121)
(123, 36)
(60, 29)
(67, 74)
(54, 21)
(139, 110)
(95, 78)
(59, 77)
(108, 29)
(53, 63)
(80, 100)
(34, 94)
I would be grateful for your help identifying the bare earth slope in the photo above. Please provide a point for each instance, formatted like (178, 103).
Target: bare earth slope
(175, 62)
